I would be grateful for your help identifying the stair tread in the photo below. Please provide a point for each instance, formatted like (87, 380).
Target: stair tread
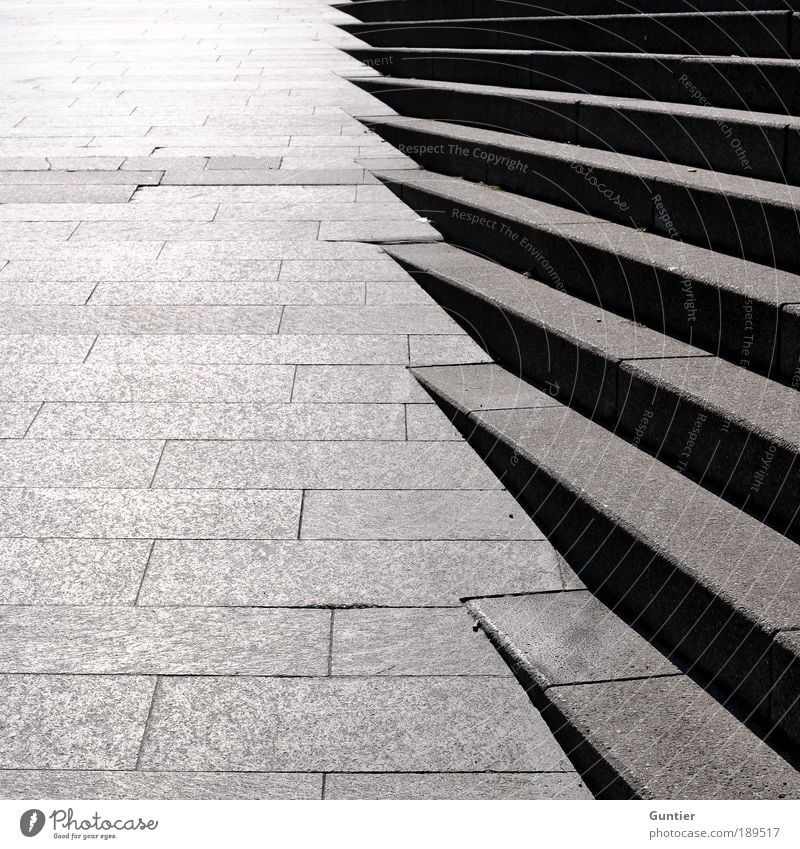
(754, 568)
(754, 279)
(555, 641)
(642, 168)
(744, 116)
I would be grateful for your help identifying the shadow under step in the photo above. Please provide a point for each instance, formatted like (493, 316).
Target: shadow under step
(753, 219)
(418, 10)
(774, 35)
(630, 722)
(714, 422)
(714, 589)
(728, 140)
(758, 85)
(730, 307)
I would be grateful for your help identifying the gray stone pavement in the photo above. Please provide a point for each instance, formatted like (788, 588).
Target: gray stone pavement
(235, 532)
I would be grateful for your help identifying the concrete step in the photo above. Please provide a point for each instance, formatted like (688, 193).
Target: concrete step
(730, 307)
(632, 724)
(713, 421)
(759, 85)
(753, 219)
(728, 140)
(714, 589)
(762, 34)
(423, 10)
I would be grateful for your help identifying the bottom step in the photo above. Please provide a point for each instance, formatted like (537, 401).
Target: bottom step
(630, 722)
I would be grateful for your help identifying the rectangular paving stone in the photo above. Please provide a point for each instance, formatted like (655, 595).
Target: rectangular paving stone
(322, 465)
(333, 573)
(247, 247)
(312, 210)
(145, 514)
(211, 231)
(79, 463)
(404, 318)
(142, 318)
(454, 785)
(357, 384)
(45, 348)
(38, 251)
(156, 641)
(143, 270)
(71, 571)
(16, 418)
(120, 382)
(73, 721)
(427, 422)
(345, 724)
(66, 194)
(153, 420)
(409, 514)
(46, 293)
(141, 784)
(223, 292)
(242, 348)
(82, 211)
(26, 230)
(422, 641)
(445, 350)
(340, 269)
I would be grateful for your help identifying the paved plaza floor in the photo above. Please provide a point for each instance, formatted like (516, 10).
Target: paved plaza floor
(236, 533)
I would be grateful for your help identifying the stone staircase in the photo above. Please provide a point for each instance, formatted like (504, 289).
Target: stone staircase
(616, 186)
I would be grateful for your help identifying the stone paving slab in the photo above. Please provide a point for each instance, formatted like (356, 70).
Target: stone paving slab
(332, 573)
(430, 724)
(424, 641)
(78, 463)
(322, 465)
(15, 419)
(146, 382)
(454, 785)
(153, 420)
(414, 514)
(71, 571)
(144, 784)
(244, 348)
(144, 514)
(45, 347)
(140, 318)
(162, 641)
(73, 721)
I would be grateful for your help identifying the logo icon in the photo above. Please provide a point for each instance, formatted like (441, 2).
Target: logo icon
(31, 822)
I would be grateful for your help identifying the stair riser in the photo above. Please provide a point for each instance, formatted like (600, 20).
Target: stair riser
(686, 308)
(716, 643)
(745, 467)
(724, 83)
(578, 376)
(766, 35)
(728, 146)
(625, 198)
(738, 225)
(428, 10)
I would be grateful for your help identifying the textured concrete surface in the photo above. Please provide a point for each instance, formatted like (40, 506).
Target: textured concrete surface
(212, 443)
